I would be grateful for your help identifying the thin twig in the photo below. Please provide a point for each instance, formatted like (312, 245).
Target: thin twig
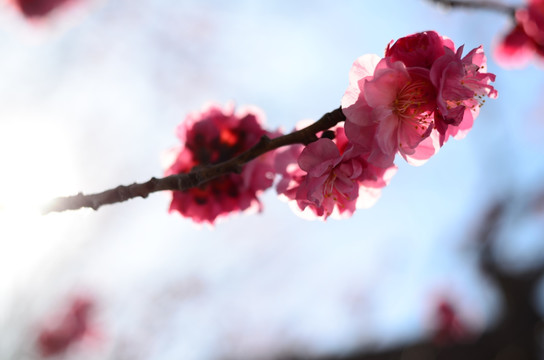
(482, 5)
(197, 176)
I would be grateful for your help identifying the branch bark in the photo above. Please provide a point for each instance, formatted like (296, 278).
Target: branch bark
(198, 175)
(482, 5)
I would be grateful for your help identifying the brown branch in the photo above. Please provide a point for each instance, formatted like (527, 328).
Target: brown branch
(197, 176)
(481, 5)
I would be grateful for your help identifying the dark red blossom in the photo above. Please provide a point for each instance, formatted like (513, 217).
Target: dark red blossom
(449, 328)
(212, 136)
(418, 50)
(65, 329)
(38, 8)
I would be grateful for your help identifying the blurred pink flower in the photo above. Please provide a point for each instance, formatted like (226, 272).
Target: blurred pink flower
(65, 329)
(38, 8)
(448, 329)
(525, 39)
(211, 136)
(332, 177)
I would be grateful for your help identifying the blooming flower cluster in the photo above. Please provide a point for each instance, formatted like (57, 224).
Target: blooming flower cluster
(211, 136)
(329, 177)
(410, 102)
(525, 39)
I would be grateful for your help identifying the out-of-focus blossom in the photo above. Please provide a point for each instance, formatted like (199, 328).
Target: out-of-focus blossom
(414, 99)
(211, 136)
(329, 177)
(38, 8)
(526, 39)
(516, 49)
(448, 329)
(65, 329)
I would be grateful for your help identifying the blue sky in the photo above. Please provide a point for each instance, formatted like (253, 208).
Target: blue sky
(90, 99)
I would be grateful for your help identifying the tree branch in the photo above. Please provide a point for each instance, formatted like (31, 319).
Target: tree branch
(517, 335)
(198, 175)
(482, 5)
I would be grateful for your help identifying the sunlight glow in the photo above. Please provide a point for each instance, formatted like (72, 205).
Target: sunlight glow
(36, 167)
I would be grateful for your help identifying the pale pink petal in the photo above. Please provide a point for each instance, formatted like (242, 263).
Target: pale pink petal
(424, 151)
(362, 67)
(317, 155)
(387, 132)
(367, 197)
(359, 113)
(380, 159)
(459, 132)
(386, 83)
(411, 134)
(363, 136)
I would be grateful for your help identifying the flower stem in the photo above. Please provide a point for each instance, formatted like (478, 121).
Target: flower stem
(198, 175)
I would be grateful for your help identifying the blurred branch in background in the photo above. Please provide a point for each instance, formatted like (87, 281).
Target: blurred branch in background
(481, 5)
(518, 335)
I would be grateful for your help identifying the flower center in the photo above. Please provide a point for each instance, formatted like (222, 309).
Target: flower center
(328, 187)
(414, 103)
(332, 191)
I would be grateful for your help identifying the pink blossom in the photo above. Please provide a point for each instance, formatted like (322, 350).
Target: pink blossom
(389, 109)
(291, 175)
(414, 99)
(38, 8)
(462, 85)
(418, 50)
(66, 329)
(358, 127)
(211, 136)
(516, 49)
(332, 177)
(532, 20)
(525, 39)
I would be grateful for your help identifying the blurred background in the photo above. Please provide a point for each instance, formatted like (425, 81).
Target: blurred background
(89, 99)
